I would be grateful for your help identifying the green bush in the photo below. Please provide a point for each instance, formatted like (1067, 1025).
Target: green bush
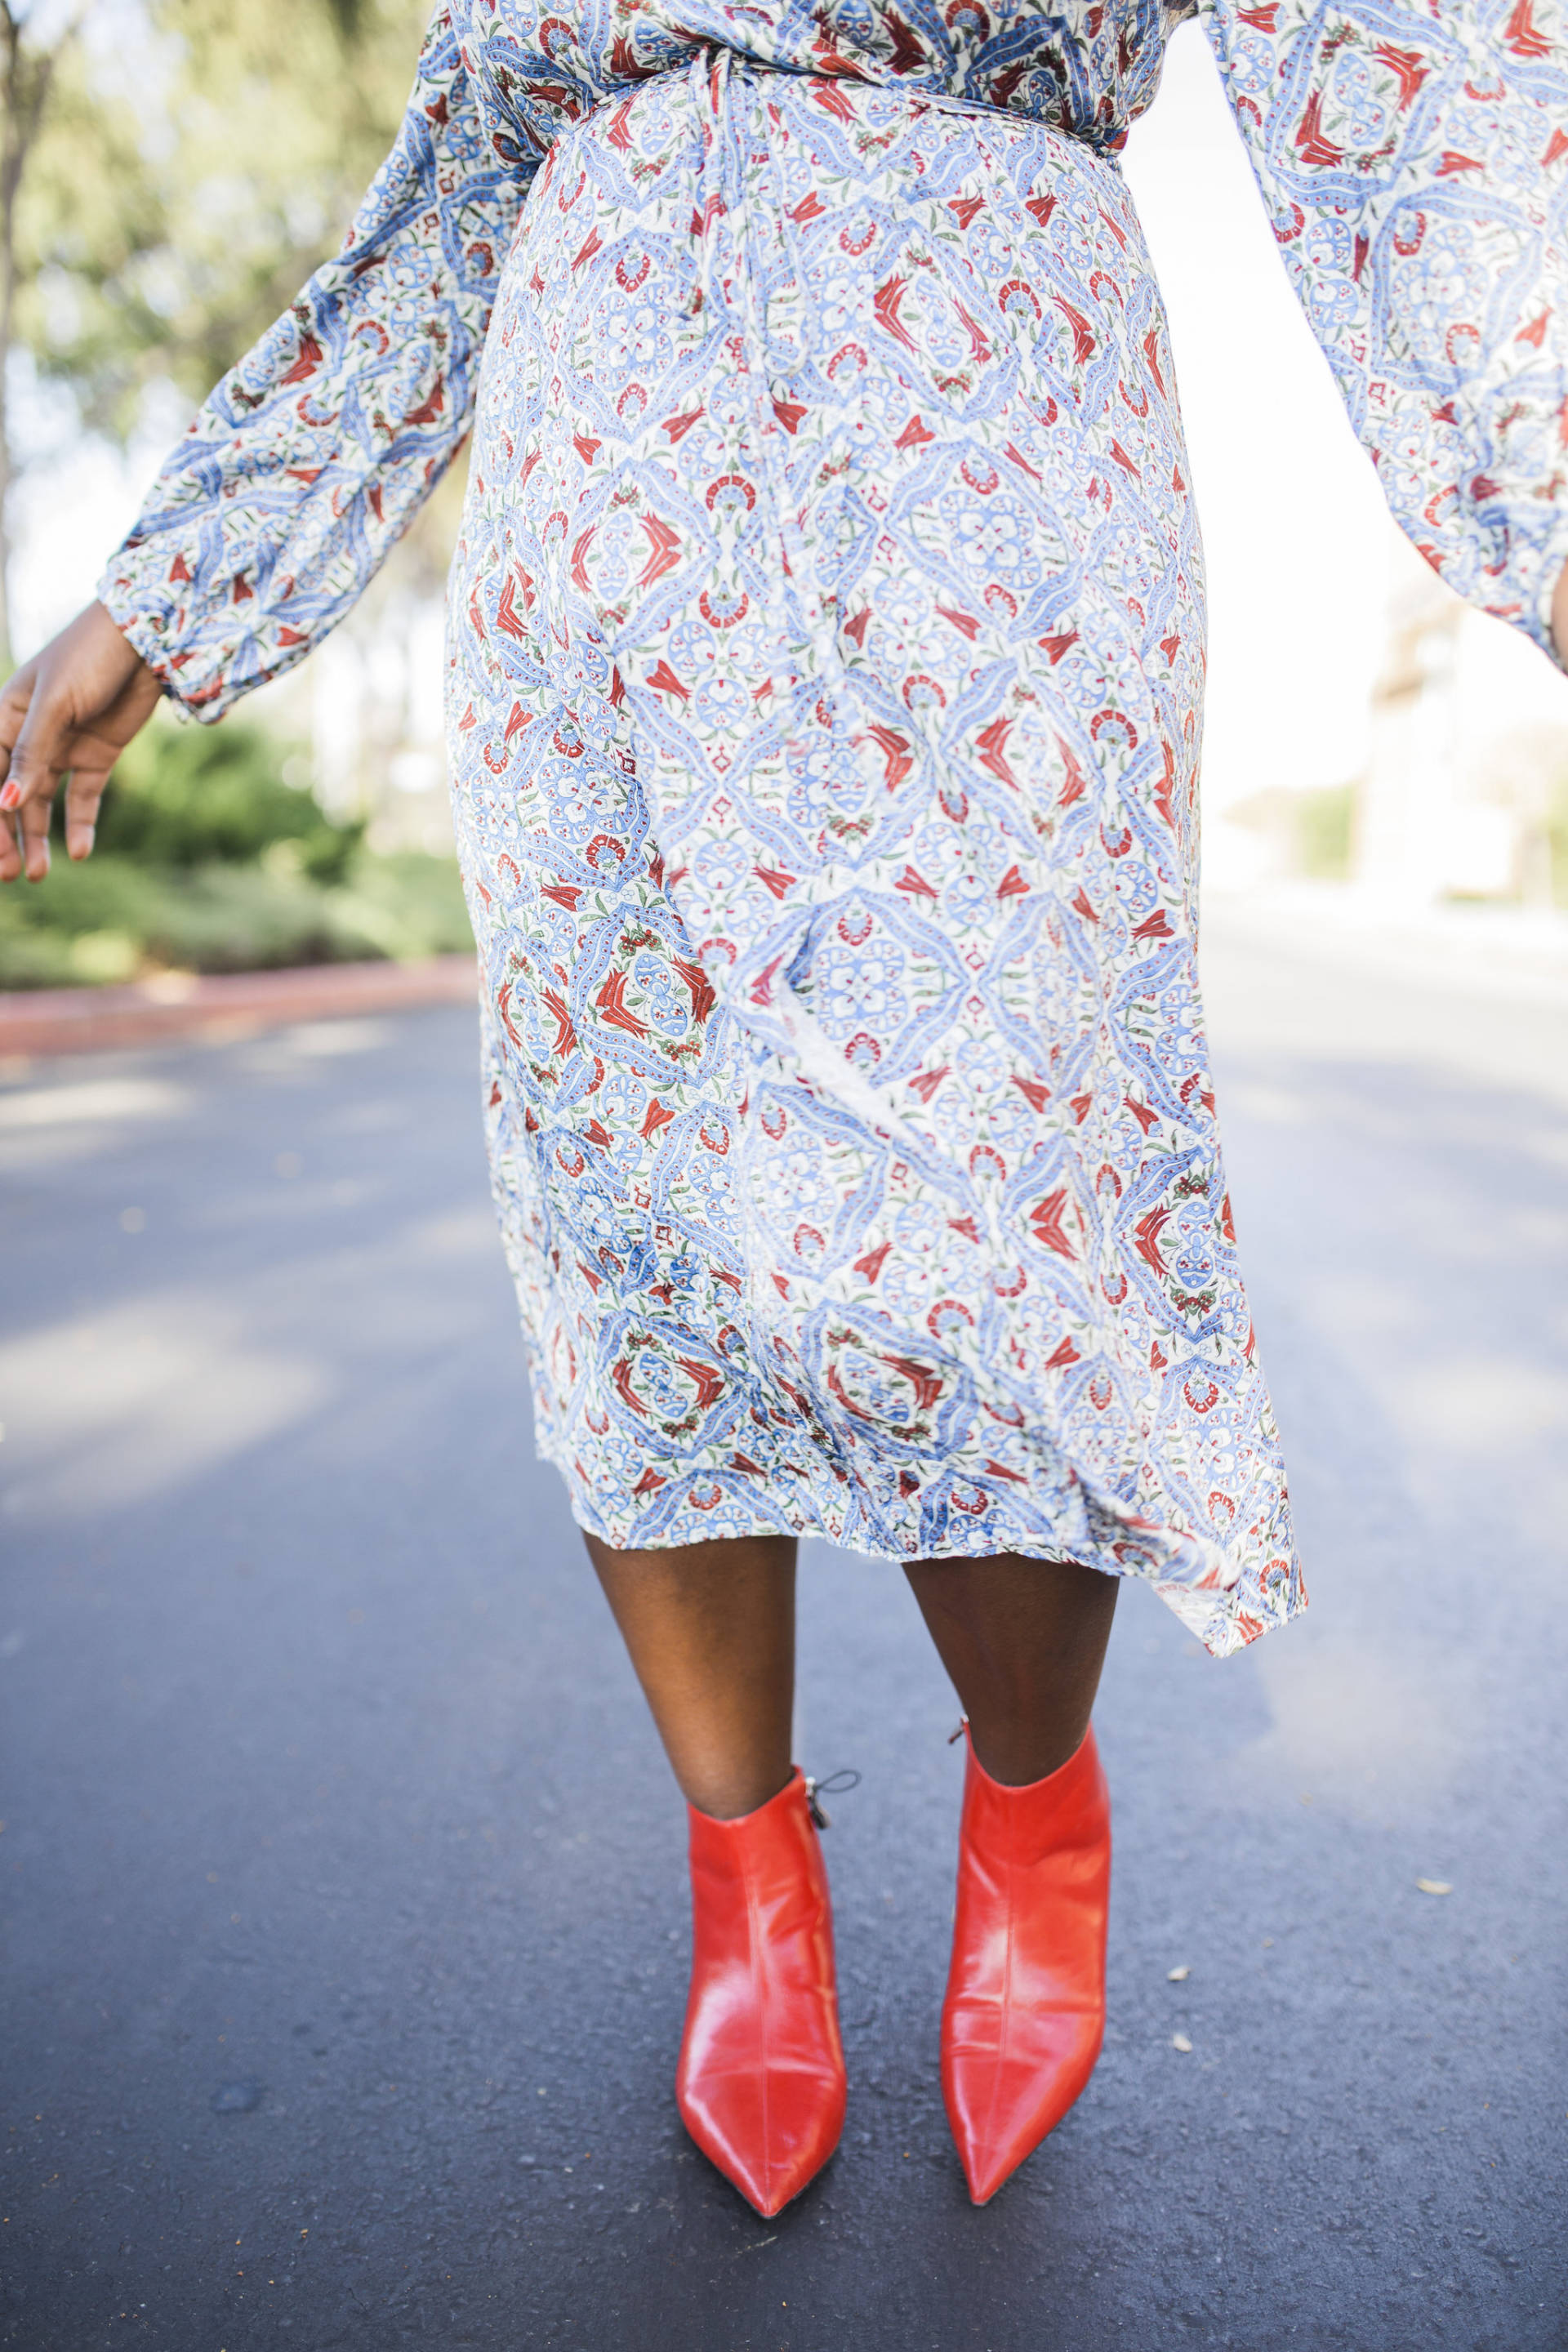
(184, 796)
(110, 919)
(1325, 830)
(1311, 832)
(415, 901)
(1557, 843)
(207, 860)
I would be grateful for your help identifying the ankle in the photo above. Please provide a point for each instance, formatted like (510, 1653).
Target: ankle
(730, 1796)
(1018, 1756)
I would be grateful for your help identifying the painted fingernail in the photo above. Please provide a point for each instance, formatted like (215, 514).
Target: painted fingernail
(11, 796)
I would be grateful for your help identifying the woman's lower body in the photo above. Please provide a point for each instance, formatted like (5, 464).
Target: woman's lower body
(825, 682)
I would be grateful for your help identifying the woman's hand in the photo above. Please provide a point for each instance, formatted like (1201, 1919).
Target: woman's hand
(70, 711)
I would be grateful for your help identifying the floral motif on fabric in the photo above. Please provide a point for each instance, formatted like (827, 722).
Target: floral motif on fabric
(1414, 163)
(825, 677)
(825, 727)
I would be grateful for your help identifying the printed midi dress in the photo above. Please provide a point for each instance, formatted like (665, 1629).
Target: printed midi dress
(825, 681)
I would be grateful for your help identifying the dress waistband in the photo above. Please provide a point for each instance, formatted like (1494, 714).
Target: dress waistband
(712, 60)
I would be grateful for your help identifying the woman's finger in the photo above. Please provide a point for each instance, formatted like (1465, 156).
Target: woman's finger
(40, 753)
(34, 819)
(14, 702)
(84, 792)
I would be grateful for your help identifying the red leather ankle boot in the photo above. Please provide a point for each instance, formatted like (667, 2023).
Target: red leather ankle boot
(761, 2081)
(1024, 2013)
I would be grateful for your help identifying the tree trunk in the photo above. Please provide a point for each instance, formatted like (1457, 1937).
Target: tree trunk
(12, 155)
(25, 75)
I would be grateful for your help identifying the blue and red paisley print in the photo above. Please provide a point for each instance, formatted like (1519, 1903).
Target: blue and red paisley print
(826, 664)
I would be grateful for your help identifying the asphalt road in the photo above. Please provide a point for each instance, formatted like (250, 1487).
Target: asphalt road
(344, 1924)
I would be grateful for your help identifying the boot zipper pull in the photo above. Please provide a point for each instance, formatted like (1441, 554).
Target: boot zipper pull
(836, 1783)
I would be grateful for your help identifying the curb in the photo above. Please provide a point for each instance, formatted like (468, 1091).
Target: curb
(231, 1005)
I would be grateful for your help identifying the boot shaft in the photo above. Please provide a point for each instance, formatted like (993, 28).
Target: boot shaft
(1065, 1818)
(758, 1887)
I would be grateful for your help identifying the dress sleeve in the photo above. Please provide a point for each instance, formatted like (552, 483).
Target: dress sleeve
(315, 453)
(1412, 155)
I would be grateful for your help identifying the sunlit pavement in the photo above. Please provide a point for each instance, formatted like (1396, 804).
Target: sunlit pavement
(344, 1915)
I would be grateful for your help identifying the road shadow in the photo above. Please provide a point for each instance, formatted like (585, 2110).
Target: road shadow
(344, 1915)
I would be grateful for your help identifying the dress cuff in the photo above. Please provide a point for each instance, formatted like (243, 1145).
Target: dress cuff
(151, 624)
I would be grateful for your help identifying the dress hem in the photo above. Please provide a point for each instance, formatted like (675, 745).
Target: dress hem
(1223, 1629)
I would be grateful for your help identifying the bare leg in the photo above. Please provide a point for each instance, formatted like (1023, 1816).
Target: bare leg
(711, 1629)
(1024, 1640)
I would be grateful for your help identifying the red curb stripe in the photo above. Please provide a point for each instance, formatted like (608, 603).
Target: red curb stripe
(178, 1004)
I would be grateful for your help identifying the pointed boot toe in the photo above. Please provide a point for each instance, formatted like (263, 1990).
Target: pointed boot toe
(1025, 2014)
(760, 2083)
(1003, 2100)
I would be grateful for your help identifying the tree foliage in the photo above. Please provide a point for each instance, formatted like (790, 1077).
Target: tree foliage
(185, 796)
(176, 200)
